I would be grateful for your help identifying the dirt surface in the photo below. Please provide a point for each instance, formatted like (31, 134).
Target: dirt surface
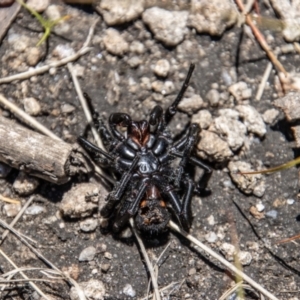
(116, 83)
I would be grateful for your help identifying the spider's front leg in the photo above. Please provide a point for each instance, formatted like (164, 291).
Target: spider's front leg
(117, 193)
(104, 158)
(131, 205)
(119, 119)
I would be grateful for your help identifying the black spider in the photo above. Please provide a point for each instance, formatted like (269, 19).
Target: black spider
(143, 161)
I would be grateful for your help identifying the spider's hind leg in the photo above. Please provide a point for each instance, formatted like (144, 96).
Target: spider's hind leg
(183, 148)
(205, 177)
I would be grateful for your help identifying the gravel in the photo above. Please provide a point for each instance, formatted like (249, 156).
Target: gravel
(169, 27)
(25, 184)
(87, 254)
(114, 42)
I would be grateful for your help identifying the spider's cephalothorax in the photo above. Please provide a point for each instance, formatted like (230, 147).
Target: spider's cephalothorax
(149, 185)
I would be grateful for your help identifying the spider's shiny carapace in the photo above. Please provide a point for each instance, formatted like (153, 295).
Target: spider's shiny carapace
(149, 187)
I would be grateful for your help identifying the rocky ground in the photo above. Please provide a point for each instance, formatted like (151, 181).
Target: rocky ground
(139, 55)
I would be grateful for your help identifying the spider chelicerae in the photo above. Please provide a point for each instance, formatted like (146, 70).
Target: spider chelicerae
(150, 186)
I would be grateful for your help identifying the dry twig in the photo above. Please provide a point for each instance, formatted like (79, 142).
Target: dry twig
(23, 116)
(263, 81)
(40, 70)
(89, 120)
(33, 285)
(147, 260)
(262, 41)
(79, 290)
(9, 200)
(17, 217)
(227, 264)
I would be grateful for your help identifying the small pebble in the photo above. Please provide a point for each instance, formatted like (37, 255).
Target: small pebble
(25, 184)
(260, 207)
(192, 104)
(244, 258)
(114, 42)
(38, 5)
(32, 106)
(203, 118)
(272, 214)
(137, 47)
(33, 56)
(211, 237)
(134, 62)
(108, 255)
(67, 108)
(87, 254)
(53, 12)
(105, 267)
(228, 184)
(167, 26)
(88, 225)
(101, 248)
(192, 271)
(11, 210)
(34, 210)
(94, 271)
(116, 12)
(62, 51)
(213, 96)
(129, 291)
(290, 201)
(211, 220)
(93, 289)
(162, 68)
(270, 116)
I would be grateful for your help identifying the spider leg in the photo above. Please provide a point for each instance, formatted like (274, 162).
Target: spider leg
(108, 140)
(90, 147)
(116, 194)
(171, 111)
(180, 207)
(131, 207)
(204, 178)
(188, 144)
(173, 198)
(118, 119)
(186, 203)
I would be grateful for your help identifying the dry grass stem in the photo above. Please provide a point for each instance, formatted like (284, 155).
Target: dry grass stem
(79, 290)
(43, 69)
(156, 266)
(262, 41)
(85, 107)
(147, 260)
(263, 81)
(17, 217)
(40, 70)
(9, 200)
(222, 260)
(238, 286)
(33, 285)
(248, 7)
(23, 116)
(89, 119)
(171, 285)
